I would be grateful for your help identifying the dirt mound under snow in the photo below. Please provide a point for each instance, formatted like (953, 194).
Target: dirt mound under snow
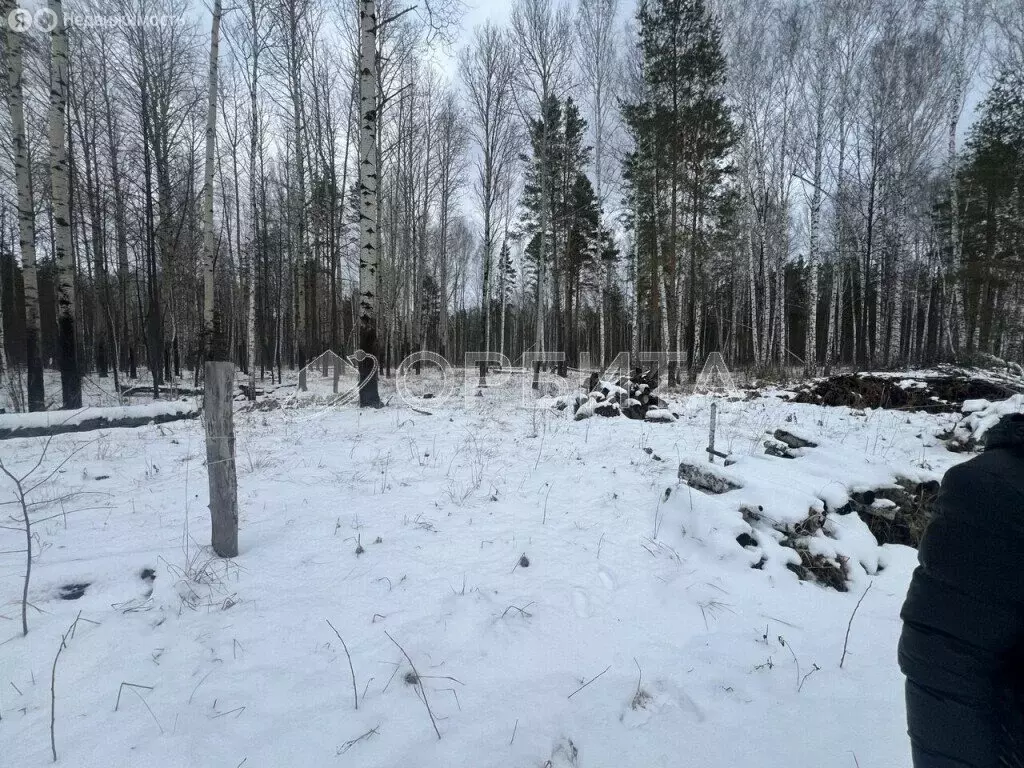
(933, 392)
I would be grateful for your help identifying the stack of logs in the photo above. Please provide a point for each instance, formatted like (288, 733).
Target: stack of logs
(630, 396)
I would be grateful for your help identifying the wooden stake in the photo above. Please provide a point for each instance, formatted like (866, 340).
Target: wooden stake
(711, 433)
(220, 457)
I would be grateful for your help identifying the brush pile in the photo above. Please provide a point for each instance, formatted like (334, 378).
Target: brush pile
(939, 391)
(630, 396)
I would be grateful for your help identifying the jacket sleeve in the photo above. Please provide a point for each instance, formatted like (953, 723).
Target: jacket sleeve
(962, 620)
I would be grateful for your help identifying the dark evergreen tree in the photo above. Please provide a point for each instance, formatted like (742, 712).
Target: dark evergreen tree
(574, 224)
(992, 216)
(682, 134)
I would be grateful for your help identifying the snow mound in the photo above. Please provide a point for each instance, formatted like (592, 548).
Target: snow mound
(85, 419)
(979, 416)
(661, 415)
(935, 391)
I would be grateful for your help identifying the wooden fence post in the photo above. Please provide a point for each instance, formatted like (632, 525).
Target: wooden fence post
(220, 457)
(711, 432)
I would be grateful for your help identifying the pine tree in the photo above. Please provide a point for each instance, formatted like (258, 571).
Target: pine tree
(991, 203)
(573, 226)
(682, 134)
(506, 285)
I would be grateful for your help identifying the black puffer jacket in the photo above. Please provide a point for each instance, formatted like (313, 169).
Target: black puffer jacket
(962, 648)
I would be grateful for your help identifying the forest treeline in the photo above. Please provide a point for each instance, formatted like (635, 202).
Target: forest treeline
(788, 182)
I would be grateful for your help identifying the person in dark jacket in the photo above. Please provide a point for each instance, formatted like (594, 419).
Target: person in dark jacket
(962, 647)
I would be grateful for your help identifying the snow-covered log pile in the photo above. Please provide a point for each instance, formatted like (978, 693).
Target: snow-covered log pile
(978, 416)
(632, 397)
(819, 513)
(46, 423)
(942, 390)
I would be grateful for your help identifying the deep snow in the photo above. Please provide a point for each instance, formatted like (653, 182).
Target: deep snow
(633, 578)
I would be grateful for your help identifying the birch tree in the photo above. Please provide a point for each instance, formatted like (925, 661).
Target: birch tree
(26, 209)
(368, 211)
(818, 97)
(488, 73)
(542, 35)
(963, 22)
(214, 343)
(256, 40)
(597, 53)
(70, 378)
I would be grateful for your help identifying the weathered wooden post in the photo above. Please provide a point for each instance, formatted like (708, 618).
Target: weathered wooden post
(337, 372)
(220, 457)
(711, 432)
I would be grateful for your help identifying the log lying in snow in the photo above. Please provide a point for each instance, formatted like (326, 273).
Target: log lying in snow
(46, 423)
(793, 441)
(165, 391)
(706, 477)
(660, 415)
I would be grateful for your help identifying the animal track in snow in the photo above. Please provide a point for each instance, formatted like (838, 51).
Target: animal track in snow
(580, 603)
(607, 579)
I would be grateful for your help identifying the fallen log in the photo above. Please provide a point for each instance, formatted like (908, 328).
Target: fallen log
(47, 423)
(707, 478)
(793, 441)
(147, 391)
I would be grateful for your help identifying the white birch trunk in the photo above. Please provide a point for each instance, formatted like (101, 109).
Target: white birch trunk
(214, 350)
(71, 383)
(894, 346)
(4, 367)
(635, 300)
(254, 150)
(780, 307)
(755, 318)
(26, 210)
(602, 329)
(811, 343)
(680, 322)
(955, 316)
(368, 203)
(834, 317)
(502, 291)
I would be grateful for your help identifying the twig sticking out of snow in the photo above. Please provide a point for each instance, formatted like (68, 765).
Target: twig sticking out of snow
(352, 742)
(135, 685)
(145, 703)
(850, 624)
(191, 696)
(815, 668)
(514, 729)
(589, 681)
(641, 697)
(782, 642)
(53, 685)
(419, 684)
(522, 611)
(355, 695)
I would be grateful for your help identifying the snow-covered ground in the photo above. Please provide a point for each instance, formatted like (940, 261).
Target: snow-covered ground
(561, 595)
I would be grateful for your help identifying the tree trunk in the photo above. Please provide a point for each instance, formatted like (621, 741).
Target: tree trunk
(26, 211)
(254, 151)
(220, 457)
(212, 332)
(811, 337)
(368, 209)
(70, 378)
